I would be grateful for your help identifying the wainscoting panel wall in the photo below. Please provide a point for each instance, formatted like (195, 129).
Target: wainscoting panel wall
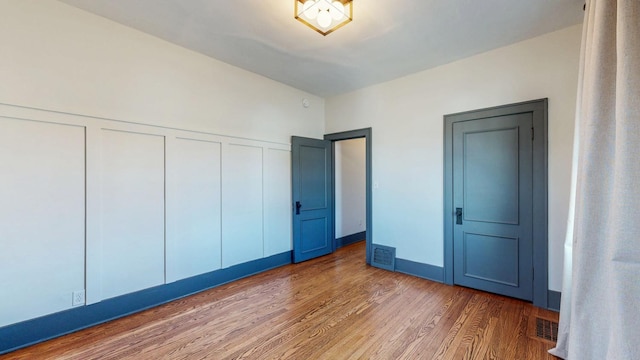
(242, 185)
(158, 205)
(277, 202)
(41, 217)
(132, 211)
(193, 208)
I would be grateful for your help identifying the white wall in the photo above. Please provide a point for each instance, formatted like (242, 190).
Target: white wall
(56, 57)
(179, 163)
(350, 187)
(406, 116)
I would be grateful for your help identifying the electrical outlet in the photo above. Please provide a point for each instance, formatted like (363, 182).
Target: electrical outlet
(77, 298)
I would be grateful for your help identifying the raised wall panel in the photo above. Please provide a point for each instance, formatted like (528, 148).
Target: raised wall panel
(242, 229)
(42, 192)
(277, 202)
(132, 212)
(193, 208)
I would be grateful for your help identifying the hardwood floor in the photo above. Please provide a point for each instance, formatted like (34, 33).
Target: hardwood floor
(334, 307)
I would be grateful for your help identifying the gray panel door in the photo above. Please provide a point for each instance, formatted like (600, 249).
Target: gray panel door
(312, 198)
(492, 198)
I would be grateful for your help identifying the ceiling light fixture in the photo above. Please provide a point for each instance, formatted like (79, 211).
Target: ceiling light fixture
(324, 16)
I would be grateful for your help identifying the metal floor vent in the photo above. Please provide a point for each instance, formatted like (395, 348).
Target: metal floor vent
(384, 257)
(546, 329)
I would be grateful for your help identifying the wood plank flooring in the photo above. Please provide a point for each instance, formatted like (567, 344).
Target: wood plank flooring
(334, 307)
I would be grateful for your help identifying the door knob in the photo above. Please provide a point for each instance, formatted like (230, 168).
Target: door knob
(458, 216)
(298, 206)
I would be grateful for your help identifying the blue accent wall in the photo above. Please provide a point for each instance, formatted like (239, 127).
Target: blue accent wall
(16, 336)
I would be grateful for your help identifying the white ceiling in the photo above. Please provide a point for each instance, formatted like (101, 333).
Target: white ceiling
(387, 38)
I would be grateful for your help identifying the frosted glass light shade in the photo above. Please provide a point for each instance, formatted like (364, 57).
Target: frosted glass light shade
(324, 16)
(337, 10)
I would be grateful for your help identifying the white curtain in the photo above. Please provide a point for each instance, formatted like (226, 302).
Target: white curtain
(600, 310)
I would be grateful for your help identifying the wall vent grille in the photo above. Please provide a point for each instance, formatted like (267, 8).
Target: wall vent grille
(384, 257)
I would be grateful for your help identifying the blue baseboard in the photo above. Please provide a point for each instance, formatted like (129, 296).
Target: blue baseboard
(425, 271)
(553, 300)
(350, 239)
(19, 335)
(436, 273)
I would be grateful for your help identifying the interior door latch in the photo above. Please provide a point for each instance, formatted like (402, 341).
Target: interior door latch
(458, 216)
(298, 206)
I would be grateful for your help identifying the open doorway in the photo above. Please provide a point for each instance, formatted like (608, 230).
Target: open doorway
(313, 188)
(350, 191)
(351, 152)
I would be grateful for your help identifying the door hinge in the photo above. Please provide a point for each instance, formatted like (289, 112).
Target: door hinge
(532, 133)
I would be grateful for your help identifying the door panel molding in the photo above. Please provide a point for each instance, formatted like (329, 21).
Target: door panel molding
(511, 245)
(475, 145)
(539, 110)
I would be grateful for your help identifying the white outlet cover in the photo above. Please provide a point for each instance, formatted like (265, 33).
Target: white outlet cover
(77, 298)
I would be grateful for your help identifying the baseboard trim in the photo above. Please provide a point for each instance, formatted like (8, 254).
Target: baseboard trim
(553, 300)
(23, 334)
(350, 239)
(425, 271)
(436, 273)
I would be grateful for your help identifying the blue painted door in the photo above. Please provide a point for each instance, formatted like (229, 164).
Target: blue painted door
(311, 172)
(492, 198)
